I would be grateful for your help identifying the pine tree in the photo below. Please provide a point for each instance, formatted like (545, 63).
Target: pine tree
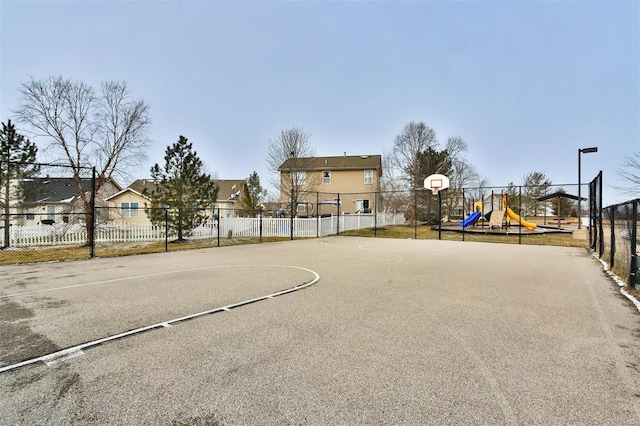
(17, 155)
(183, 188)
(253, 194)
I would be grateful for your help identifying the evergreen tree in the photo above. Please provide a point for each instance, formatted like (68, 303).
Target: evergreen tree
(536, 185)
(567, 206)
(17, 155)
(183, 189)
(253, 194)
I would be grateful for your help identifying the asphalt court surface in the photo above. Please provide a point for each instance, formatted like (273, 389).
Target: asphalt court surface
(394, 332)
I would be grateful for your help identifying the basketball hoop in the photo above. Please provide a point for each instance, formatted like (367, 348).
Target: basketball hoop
(436, 183)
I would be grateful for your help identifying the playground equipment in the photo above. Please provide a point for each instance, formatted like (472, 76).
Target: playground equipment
(471, 219)
(499, 212)
(530, 226)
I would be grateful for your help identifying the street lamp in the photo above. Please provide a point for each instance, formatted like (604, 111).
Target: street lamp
(582, 151)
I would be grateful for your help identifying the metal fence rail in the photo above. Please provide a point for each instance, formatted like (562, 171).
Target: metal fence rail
(620, 240)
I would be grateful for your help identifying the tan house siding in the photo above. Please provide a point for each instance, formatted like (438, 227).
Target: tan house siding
(128, 206)
(345, 176)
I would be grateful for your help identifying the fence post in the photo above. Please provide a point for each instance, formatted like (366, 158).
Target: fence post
(375, 215)
(612, 220)
(260, 219)
(633, 273)
(218, 227)
(338, 221)
(415, 214)
(464, 202)
(600, 213)
(520, 213)
(92, 241)
(166, 229)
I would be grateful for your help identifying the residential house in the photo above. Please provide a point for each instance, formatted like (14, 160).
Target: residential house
(127, 206)
(230, 192)
(57, 200)
(344, 184)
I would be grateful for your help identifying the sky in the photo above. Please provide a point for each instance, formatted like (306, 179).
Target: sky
(525, 83)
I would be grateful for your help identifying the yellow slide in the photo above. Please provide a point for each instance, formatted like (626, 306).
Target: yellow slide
(530, 226)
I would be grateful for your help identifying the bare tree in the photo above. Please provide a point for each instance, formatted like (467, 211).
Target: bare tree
(630, 172)
(107, 130)
(463, 174)
(285, 156)
(408, 146)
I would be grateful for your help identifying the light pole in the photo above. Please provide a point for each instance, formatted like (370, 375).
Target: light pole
(582, 151)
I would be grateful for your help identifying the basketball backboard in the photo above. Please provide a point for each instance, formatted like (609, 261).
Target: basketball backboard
(436, 182)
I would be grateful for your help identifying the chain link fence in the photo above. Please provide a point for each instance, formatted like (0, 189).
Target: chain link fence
(46, 218)
(47, 214)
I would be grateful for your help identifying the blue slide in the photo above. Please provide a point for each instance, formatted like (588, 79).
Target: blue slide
(472, 219)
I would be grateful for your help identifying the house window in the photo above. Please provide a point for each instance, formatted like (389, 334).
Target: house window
(31, 213)
(51, 212)
(129, 209)
(368, 177)
(299, 178)
(65, 214)
(326, 177)
(302, 208)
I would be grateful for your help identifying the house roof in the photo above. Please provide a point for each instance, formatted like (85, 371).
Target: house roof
(128, 190)
(143, 186)
(229, 189)
(344, 162)
(53, 190)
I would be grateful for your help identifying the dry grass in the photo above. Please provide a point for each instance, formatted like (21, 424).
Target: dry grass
(59, 253)
(43, 254)
(426, 233)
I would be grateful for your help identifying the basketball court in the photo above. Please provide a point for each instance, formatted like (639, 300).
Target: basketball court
(338, 330)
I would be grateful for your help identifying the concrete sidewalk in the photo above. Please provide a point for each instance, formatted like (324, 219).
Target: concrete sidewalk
(395, 332)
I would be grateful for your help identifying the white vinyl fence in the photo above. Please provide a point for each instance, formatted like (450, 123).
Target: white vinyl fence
(62, 234)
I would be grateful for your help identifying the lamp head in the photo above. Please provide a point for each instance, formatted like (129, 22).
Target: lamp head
(588, 150)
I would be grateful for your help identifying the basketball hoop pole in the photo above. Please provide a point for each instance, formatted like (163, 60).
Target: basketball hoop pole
(439, 215)
(437, 183)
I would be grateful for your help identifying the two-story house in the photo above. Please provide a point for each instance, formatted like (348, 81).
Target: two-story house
(328, 185)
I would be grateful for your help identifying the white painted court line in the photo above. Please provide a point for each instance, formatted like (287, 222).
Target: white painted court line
(387, 249)
(74, 351)
(114, 280)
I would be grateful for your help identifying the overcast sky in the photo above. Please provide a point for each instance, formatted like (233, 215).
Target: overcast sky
(524, 83)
